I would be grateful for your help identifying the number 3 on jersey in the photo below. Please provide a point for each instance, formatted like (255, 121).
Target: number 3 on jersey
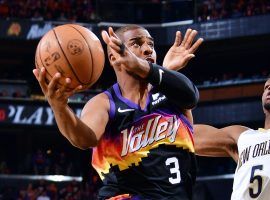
(174, 170)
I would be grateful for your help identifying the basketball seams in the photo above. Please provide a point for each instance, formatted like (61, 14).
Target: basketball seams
(59, 51)
(90, 52)
(69, 64)
(39, 56)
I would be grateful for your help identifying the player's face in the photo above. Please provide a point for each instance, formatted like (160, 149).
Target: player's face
(266, 96)
(140, 42)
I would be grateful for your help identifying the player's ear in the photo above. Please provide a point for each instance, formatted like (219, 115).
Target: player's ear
(112, 60)
(110, 56)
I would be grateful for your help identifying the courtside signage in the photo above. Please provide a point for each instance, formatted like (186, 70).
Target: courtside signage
(19, 114)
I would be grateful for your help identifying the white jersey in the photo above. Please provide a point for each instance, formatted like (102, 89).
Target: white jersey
(251, 180)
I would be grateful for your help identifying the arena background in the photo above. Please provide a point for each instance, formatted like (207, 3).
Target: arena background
(229, 69)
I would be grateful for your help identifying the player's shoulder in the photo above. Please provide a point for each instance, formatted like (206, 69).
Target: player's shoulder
(235, 131)
(101, 98)
(100, 101)
(241, 131)
(253, 131)
(238, 128)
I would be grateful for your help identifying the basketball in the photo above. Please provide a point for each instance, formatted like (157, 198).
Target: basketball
(73, 51)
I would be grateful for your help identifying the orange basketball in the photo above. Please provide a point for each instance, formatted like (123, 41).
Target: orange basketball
(72, 50)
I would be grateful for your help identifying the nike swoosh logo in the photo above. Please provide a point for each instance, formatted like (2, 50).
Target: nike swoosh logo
(160, 75)
(124, 110)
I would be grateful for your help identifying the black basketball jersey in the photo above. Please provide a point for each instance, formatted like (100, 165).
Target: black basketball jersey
(149, 153)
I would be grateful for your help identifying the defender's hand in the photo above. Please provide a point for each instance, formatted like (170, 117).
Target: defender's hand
(182, 51)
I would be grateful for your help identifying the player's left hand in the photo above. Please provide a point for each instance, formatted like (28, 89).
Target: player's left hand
(181, 52)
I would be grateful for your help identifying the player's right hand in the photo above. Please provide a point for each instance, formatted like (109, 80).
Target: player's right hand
(57, 94)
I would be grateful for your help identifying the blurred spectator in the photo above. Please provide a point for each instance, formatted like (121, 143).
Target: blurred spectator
(4, 9)
(22, 195)
(8, 193)
(31, 194)
(62, 17)
(43, 196)
(52, 191)
(15, 88)
(37, 16)
(17, 94)
(4, 93)
(4, 168)
(40, 163)
(62, 164)
(71, 191)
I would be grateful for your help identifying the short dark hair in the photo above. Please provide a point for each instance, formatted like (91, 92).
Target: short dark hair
(119, 32)
(268, 77)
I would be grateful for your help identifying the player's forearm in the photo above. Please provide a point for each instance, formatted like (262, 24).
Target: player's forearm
(211, 141)
(71, 127)
(176, 86)
(204, 148)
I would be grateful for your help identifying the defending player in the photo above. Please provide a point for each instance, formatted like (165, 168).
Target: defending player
(249, 148)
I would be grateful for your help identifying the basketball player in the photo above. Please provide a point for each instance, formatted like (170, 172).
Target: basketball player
(142, 142)
(249, 148)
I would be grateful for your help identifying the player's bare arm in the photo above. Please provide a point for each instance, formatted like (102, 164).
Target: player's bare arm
(81, 133)
(182, 51)
(95, 114)
(211, 141)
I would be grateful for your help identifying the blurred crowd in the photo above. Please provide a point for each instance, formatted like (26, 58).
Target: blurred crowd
(223, 9)
(42, 162)
(85, 10)
(47, 190)
(87, 189)
(50, 10)
(48, 162)
(232, 78)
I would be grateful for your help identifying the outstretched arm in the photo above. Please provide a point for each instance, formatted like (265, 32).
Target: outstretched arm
(182, 51)
(168, 82)
(82, 133)
(211, 141)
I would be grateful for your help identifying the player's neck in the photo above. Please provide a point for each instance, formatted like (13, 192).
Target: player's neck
(134, 90)
(131, 84)
(267, 121)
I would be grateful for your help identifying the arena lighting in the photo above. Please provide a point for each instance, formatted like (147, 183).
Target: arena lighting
(158, 25)
(218, 177)
(53, 178)
(61, 178)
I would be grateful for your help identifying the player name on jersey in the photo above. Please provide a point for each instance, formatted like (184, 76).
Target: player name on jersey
(147, 133)
(253, 151)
